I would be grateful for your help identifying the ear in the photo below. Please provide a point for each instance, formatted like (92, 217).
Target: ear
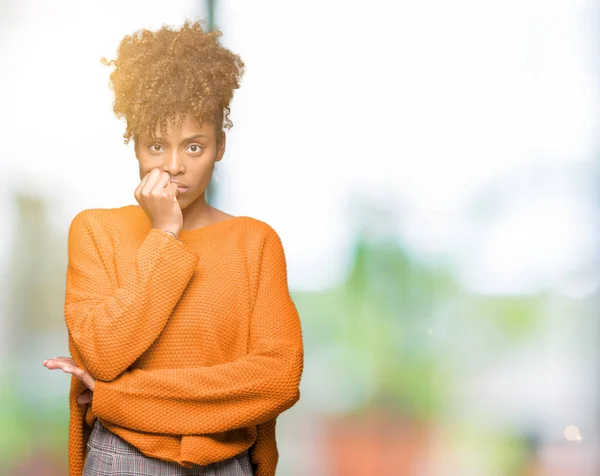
(221, 146)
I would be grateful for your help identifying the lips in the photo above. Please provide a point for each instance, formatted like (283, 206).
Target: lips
(182, 188)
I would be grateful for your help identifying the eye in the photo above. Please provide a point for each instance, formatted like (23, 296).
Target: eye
(195, 148)
(156, 147)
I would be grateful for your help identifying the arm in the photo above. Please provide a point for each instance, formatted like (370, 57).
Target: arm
(110, 326)
(245, 392)
(264, 454)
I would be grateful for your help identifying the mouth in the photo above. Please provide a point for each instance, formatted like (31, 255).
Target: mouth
(180, 188)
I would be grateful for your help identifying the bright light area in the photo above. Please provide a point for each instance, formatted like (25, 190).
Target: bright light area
(413, 104)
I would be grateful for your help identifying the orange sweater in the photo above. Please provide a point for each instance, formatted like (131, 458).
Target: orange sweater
(196, 346)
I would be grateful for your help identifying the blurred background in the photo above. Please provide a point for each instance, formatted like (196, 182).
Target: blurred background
(432, 168)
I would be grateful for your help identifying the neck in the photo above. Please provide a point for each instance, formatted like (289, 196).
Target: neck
(197, 214)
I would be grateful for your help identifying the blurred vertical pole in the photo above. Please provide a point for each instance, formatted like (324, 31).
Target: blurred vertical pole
(210, 9)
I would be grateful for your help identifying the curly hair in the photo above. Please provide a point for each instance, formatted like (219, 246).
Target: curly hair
(162, 75)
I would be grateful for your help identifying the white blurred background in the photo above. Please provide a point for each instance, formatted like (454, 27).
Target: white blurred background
(438, 158)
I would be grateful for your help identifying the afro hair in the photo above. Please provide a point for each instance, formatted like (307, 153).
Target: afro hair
(163, 75)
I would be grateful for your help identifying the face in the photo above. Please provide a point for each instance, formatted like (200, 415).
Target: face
(188, 154)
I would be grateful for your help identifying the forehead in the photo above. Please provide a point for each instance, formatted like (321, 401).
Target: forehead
(189, 127)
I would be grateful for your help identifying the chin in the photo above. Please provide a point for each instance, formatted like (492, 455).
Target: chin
(186, 201)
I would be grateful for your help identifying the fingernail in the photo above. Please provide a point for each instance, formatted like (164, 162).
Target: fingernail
(44, 362)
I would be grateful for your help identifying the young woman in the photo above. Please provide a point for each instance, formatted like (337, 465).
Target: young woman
(185, 343)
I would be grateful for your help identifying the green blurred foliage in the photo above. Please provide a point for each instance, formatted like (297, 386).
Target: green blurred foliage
(392, 320)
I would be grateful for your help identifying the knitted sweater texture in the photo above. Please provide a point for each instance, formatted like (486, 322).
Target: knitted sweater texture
(195, 345)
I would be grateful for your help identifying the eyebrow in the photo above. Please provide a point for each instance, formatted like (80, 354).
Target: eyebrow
(187, 139)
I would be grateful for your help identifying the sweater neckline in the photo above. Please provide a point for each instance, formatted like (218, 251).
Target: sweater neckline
(183, 234)
(211, 227)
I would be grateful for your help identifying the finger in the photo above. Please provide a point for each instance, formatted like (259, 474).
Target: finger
(86, 378)
(136, 192)
(154, 175)
(147, 177)
(76, 372)
(173, 190)
(71, 370)
(68, 360)
(54, 364)
(138, 189)
(61, 364)
(143, 181)
(85, 397)
(64, 359)
(163, 181)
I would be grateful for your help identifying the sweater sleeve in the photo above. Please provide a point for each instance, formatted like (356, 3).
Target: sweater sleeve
(111, 325)
(221, 397)
(264, 454)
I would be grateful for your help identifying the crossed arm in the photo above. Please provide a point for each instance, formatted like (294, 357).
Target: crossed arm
(198, 400)
(110, 326)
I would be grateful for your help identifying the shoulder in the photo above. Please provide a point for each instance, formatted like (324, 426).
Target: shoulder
(257, 230)
(126, 214)
(256, 225)
(102, 221)
(261, 239)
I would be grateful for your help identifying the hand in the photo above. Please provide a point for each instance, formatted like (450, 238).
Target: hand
(158, 198)
(67, 365)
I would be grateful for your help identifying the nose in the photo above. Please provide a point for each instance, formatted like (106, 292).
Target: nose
(173, 163)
